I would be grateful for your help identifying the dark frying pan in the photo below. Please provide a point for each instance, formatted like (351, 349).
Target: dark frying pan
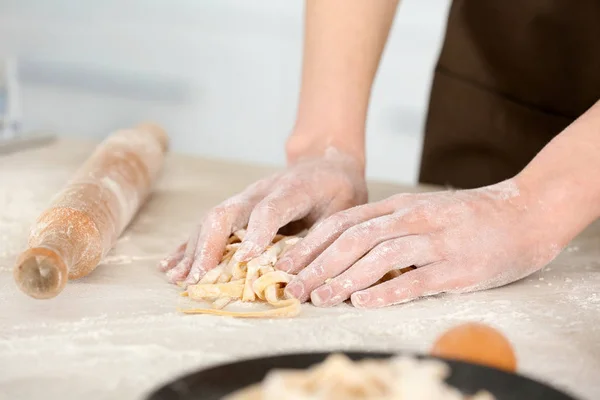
(216, 382)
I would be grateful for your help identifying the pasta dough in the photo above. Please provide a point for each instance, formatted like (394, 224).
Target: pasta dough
(338, 377)
(254, 281)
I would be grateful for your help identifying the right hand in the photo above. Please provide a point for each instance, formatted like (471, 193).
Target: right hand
(310, 190)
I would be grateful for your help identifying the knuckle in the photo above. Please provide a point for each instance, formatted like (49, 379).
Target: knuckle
(227, 208)
(352, 235)
(320, 225)
(402, 200)
(357, 233)
(384, 250)
(346, 215)
(214, 218)
(259, 185)
(218, 217)
(400, 197)
(335, 221)
(318, 270)
(416, 214)
(370, 227)
(266, 207)
(346, 284)
(219, 211)
(303, 249)
(312, 272)
(293, 183)
(234, 202)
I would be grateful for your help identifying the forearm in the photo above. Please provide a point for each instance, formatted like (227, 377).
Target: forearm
(343, 43)
(565, 175)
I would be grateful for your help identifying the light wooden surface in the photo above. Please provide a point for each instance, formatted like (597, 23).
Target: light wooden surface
(116, 333)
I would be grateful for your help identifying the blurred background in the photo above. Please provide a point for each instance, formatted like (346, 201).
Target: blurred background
(222, 76)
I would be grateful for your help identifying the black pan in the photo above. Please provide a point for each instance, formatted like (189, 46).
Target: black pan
(216, 382)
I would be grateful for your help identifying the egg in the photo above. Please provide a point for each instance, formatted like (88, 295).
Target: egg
(476, 343)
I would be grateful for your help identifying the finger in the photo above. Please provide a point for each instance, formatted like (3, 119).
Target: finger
(180, 271)
(281, 207)
(211, 245)
(347, 249)
(220, 224)
(323, 234)
(205, 247)
(392, 254)
(429, 280)
(173, 259)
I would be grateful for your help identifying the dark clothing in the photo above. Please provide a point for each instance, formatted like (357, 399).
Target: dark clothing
(511, 75)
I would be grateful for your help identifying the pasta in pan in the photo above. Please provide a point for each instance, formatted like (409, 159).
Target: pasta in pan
(338, 377)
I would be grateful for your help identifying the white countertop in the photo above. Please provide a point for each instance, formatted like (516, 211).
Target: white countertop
(117, 334)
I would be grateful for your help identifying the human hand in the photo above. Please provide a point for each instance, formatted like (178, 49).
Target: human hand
(310, 190)
(460, 241)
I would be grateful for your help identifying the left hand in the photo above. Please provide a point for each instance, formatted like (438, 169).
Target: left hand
(460, 241)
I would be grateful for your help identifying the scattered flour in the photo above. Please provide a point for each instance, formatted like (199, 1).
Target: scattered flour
(118, 335)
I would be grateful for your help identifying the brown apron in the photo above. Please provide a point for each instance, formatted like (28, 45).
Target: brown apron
(510, 76)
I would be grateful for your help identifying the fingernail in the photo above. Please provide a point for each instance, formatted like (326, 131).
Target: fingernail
(193, 278)
(361, 298)
(295, 289)
(162, 265)
(175, 274)
(321, 296)
(285, 264)
(171, 275)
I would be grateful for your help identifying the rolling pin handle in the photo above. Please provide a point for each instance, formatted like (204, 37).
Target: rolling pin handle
(41, 273)
(156, 131)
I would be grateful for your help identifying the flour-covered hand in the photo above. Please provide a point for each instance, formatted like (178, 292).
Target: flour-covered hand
(310, 190)
(460, 241)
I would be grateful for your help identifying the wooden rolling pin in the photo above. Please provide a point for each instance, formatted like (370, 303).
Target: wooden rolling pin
(85, 219)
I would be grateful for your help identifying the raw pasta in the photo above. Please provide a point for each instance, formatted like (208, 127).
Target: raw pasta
(338, 377)
(254, 281)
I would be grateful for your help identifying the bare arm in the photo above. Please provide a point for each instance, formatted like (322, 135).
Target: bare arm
(344, 40)
(460, 241)
(565, 175)
(343, 46)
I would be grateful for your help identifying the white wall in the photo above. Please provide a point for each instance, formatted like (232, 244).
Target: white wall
(221, 76)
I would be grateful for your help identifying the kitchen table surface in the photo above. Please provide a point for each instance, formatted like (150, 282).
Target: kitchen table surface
(116, 334)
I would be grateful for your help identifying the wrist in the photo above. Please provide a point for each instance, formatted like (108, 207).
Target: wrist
(564, 178)
(308, 141)
(562, 203)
